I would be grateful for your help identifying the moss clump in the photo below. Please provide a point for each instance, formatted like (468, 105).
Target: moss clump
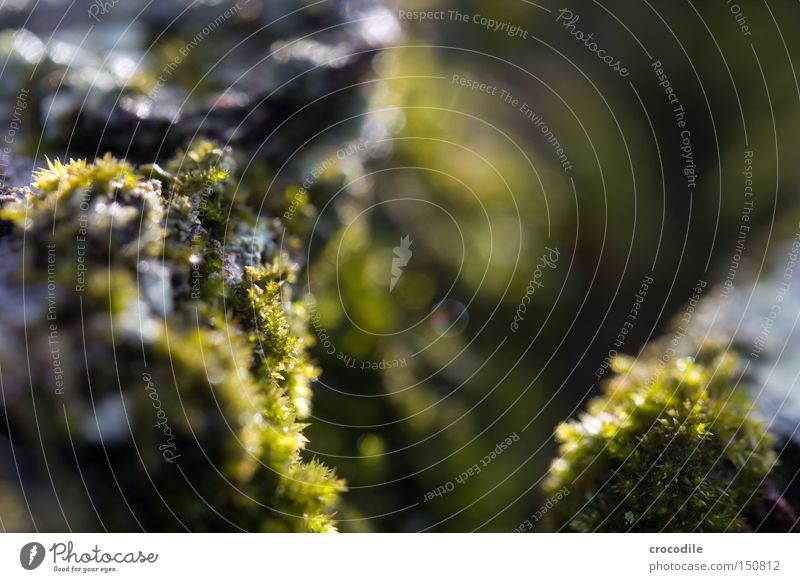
(157, 378)
(670, 446)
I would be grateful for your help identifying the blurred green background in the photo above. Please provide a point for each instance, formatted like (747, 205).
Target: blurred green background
(481, 190)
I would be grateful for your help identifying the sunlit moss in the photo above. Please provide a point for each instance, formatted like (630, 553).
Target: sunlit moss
(670, 446)
(183, 375)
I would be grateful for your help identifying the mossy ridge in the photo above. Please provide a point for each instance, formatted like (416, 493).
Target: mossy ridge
(671, 445)
(189, 280)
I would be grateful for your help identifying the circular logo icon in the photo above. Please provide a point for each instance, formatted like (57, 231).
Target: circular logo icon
(31, 555)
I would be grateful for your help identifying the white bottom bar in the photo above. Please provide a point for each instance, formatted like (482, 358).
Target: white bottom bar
(389, 557)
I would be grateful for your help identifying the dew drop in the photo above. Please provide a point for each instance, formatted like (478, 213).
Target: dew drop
(449, 318)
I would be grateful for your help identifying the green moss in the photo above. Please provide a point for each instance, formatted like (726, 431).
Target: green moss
(670, 446)
(182, 376)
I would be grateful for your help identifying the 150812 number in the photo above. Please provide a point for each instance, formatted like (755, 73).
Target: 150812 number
(759, 565)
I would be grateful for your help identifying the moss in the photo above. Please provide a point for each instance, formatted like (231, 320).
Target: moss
(166, 353)
(670, 446)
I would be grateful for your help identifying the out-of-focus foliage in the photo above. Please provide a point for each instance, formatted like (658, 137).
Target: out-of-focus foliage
(620, 214)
